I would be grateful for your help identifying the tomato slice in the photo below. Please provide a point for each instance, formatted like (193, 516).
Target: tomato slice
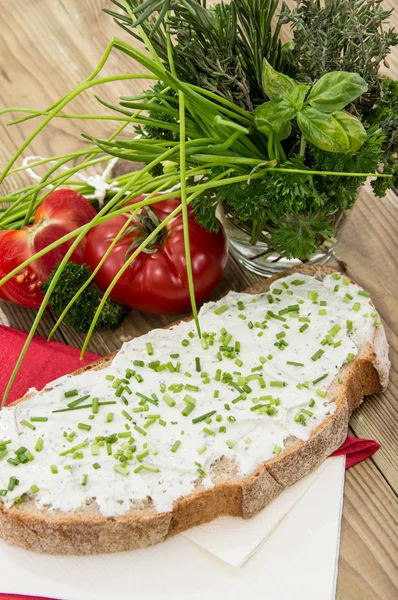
(60, 213)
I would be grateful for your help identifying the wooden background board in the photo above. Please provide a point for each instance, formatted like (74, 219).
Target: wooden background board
(47, 48)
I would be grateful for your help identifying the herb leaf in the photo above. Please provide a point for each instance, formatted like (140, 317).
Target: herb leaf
(276, 85)
(322, 130)
(353, 128)
(335, 90)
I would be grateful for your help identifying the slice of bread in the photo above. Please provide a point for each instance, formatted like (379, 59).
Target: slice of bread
(87, 531)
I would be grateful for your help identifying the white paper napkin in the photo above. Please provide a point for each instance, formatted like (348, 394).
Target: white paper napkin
(297, 561)
(234, 540)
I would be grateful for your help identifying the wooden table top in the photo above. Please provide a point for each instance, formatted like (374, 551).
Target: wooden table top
(46, 49)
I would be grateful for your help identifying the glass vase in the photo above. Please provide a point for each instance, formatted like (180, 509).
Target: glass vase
(261, 258)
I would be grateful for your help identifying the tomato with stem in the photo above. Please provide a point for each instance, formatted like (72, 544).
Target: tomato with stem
(156, 281)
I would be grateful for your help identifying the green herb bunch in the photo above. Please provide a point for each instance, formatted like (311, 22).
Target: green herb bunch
(220, 49)
(350, 36)
(223, 49)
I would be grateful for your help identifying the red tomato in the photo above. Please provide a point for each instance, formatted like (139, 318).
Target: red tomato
(156, 281)
(60, 213)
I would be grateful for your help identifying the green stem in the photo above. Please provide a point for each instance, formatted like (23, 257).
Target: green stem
(183, 182)
(303, 144)
(55, 111)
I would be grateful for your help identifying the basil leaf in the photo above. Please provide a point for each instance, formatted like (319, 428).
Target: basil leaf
(266, 119)
(335, 90)
(353, 128)
(283, 110)
(322, 130)
(298, 95)
(276, 85)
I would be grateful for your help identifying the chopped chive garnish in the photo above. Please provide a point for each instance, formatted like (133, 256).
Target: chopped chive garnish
(175, 446)
(149, 348)
(303, 327)
(78, 401)
(203, 417)
(39, 445)
(84, 426)
(298, 282)
(169, 400)
(121, 470)
(321, 393)
(349, 325)
(231, 443)
(13, 481)
(317, 355)
(313, 296)
(277, 449)
(95, 405)
(272, 315)
(27, 424)
(306, 412)
(208, 431)
(81, 407)
(320, 378)
(221, 309)
(34, 489)
(53, 469)
(185, 343)
(363, 293)
(334, 330)
(109, 417)
(72, 393)
(295, 364)
(188, 409)
(39, 419)
(197, 364)
(356, 307)
(277, 383)
(127, 415)
(258, 406)
(141, 431)
(350, 357)
(322, 312)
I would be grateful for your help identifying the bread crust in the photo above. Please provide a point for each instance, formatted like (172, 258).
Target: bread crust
(88, 532)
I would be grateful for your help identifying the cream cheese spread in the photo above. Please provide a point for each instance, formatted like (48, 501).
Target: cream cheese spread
(153, 422)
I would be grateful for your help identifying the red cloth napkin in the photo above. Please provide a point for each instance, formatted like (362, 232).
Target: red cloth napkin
(46, 361)
(356, 450)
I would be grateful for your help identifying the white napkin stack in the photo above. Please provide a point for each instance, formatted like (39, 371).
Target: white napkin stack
(293, 545)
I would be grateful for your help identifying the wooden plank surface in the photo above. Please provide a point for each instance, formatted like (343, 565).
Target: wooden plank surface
(46, 49)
